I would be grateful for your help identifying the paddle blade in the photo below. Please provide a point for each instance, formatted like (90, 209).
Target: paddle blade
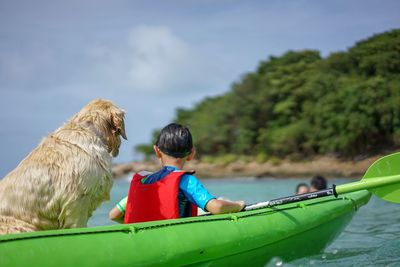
(385, 166)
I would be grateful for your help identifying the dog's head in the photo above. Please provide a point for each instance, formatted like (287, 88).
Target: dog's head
(106, 120)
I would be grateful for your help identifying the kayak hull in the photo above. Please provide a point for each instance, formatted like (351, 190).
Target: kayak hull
(254, 237)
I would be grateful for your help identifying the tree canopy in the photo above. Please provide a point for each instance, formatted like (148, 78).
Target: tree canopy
(301, 105)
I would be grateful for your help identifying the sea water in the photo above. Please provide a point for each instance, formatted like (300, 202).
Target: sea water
(371, 239)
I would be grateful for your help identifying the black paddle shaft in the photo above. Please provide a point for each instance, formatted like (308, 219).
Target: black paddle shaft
(301, 197)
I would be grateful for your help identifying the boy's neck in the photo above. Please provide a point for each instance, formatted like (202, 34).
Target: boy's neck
(176, 162)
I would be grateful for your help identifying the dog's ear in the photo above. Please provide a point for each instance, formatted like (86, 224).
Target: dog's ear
(118, 124)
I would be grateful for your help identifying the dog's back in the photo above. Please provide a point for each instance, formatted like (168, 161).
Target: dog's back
(59, 184)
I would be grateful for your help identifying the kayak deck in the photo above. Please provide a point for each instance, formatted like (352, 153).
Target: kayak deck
(288, 231)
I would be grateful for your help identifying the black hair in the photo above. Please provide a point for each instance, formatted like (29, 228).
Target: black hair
(319, 182)
(175, 140)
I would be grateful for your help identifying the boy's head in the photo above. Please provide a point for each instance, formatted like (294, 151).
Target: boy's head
(175, 141)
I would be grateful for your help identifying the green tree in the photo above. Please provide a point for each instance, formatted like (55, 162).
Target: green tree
(302, 105)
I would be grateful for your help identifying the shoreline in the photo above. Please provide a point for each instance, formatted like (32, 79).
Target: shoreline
(327, 166)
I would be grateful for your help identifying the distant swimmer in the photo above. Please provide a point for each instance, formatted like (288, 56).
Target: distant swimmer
(302, 188)
(318, 182)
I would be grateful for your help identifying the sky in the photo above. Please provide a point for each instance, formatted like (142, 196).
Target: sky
(152, 57)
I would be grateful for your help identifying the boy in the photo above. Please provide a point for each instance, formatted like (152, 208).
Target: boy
(170, 193)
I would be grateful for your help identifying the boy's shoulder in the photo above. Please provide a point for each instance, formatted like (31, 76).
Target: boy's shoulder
(189, 176)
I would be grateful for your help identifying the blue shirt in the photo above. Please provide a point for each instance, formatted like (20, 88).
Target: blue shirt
(190, 189)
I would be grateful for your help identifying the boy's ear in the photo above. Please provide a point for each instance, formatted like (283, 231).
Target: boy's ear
(157, 151)
(191, 155)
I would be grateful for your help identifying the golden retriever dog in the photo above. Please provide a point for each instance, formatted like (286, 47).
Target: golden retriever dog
(67, 176)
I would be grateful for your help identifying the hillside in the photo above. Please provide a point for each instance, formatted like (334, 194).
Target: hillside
(300, 106)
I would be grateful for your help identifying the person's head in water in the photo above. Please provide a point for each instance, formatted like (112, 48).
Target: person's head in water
(318, 182)
(175, 141)
(302, 188)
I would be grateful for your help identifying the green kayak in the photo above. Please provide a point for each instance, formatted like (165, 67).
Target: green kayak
(288, 231)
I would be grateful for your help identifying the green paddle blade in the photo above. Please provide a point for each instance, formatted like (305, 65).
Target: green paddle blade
(385, 166)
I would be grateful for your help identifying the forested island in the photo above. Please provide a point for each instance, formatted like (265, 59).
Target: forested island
(299, 107)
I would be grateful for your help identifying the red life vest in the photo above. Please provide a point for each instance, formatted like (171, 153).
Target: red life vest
(155, 201)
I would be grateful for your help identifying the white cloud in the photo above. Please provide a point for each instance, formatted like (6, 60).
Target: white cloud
(160, 59)
(153, 60)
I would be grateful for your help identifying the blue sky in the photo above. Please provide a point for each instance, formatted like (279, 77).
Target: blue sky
(151, 57)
